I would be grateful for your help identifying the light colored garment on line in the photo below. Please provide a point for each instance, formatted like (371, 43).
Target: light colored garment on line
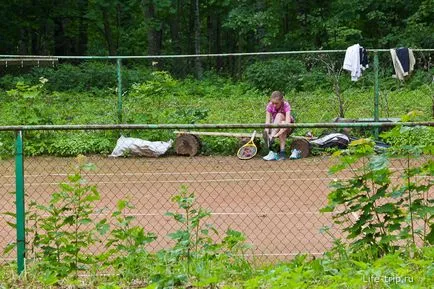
(352, 62)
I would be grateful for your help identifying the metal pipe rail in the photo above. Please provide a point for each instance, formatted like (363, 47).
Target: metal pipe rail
(211, 126)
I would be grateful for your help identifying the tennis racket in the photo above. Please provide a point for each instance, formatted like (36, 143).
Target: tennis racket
(248, 150)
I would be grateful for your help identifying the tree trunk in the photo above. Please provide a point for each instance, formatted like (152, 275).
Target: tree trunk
(59, 37)
(218, 42)
(175, 28)
(339, 96)
(198, 64)
(33, 33)
(82, 28)
(433, 105)
(154, 33)
(108, 34)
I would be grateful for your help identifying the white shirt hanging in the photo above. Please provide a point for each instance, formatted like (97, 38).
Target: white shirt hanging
(352, 62)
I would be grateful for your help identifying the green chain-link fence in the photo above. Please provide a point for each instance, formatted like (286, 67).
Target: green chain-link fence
(275, 203)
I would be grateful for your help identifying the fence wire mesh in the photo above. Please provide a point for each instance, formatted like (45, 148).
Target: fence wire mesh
(7, 188)
(275, 203)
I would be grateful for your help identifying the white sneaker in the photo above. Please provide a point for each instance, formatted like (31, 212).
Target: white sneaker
(270, 157)
(295, 154)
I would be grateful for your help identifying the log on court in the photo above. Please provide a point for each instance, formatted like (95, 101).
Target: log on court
(302, 145)
(187, 144)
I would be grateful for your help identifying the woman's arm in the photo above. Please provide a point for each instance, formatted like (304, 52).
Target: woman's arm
(288, 117)
(268, 120)
(287, 120)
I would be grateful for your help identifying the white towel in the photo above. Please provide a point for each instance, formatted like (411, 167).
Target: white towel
(352, 62)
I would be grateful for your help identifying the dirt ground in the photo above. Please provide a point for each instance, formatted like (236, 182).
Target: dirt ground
(276, 204)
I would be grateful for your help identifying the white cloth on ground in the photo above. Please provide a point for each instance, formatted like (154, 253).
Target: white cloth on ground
(139, 147)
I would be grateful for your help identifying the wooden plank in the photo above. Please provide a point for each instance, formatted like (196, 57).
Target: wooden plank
(230, 134)
(216, 133)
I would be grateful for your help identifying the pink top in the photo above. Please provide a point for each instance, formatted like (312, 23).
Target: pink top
(271, 108)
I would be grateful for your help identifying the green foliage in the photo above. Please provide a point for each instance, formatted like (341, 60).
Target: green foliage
(276, 74)
(377, 213)
(160, 98)
(405, 137)
(63, 230)
(196, 257)
(60, 236)
(127, 243)
(84, 77)
(331, 271)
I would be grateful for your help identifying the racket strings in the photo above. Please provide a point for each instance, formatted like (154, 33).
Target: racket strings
(247, 151)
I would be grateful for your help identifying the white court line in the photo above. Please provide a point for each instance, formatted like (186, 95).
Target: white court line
(185, 173)
(199, 181)
(236, 213)
(284, 254)
(187, 181)
(218, 214)
(179, 173)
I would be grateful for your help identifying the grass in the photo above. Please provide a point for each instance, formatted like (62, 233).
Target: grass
(162, 99)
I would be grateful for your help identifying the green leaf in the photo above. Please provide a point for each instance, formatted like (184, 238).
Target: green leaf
(13, 215)
(386, 208)
(102, 228)
(9, 247)
(13, 225)
(89, 167)
(397, 193)
(122, 204)
(85, 221)
(48, 278)
(430, 236)
(327, 209)
(152, 286)
(378, 162)
(359, 264)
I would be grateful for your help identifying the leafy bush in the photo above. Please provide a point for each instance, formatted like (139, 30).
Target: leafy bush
(60, 243)
(276, 74)
(61, 233)
(419, 136)
(377, 213)
(86, 76)
(332, 271)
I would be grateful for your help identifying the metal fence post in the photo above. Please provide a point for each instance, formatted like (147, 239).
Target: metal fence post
(119, 77)
(20, 208)
(376, 94)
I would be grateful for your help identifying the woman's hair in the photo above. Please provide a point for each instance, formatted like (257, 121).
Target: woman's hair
(277, 95)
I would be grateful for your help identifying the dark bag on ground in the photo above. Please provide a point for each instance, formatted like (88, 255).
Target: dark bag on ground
(338, 140)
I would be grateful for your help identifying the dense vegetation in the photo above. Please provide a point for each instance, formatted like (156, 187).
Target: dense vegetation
(86, 94)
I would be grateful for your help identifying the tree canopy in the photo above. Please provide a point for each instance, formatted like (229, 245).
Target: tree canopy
(150, 27)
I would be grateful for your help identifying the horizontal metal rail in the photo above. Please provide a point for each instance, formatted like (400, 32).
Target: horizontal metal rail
(204, 55)
(211, 126)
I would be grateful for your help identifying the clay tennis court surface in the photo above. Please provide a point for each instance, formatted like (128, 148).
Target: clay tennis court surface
(276, 204)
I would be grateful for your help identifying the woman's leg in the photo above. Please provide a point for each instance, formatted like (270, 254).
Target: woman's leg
(282, 137)
(279, 119)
